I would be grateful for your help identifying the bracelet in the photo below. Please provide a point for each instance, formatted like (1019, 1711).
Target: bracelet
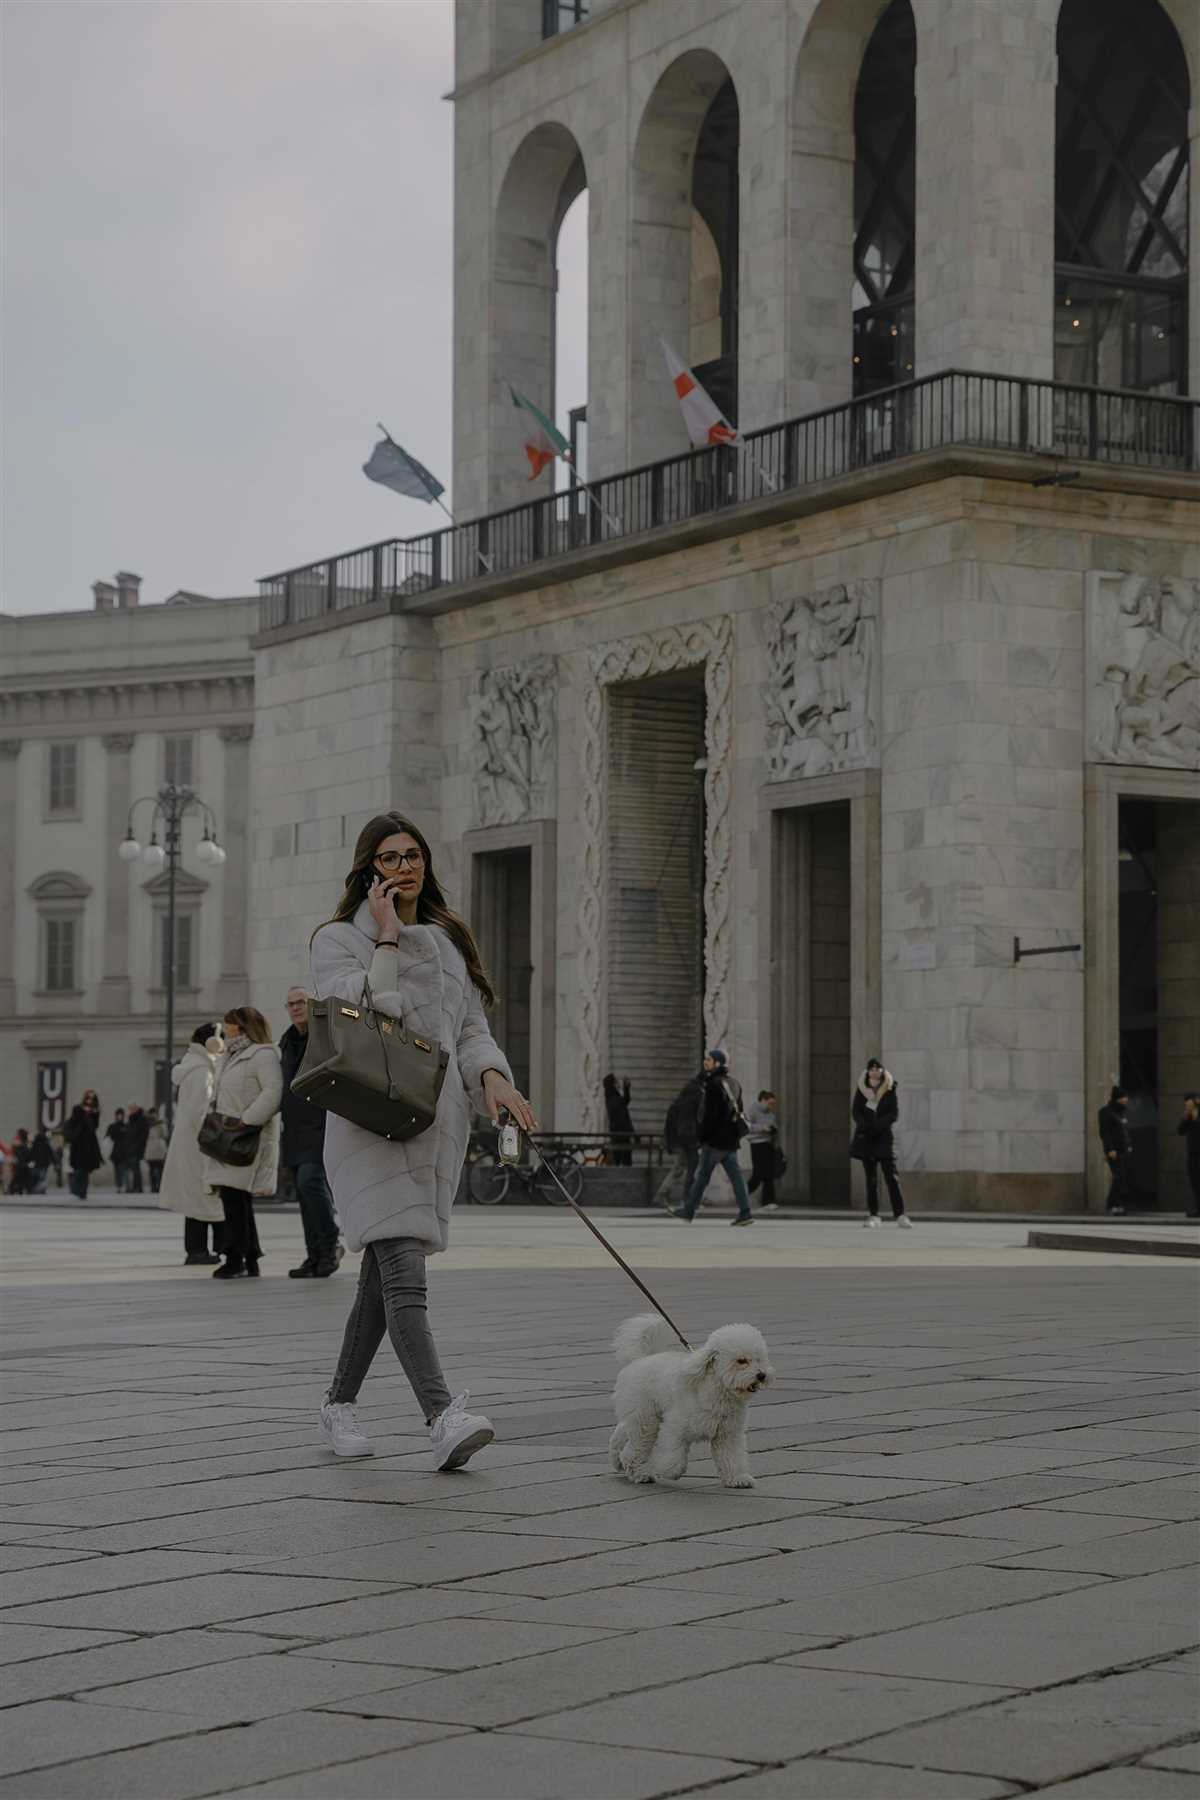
(387, 943)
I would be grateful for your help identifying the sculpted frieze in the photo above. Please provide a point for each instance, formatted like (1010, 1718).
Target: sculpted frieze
(1143, 670)
(513, 742)
(822, 662)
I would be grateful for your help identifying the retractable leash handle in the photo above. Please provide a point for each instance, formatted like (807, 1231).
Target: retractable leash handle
(597, 1233)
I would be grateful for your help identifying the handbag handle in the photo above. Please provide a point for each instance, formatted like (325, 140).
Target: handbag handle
(379, 1031)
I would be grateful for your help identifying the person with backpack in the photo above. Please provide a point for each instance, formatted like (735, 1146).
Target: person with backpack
(679, 1138)
(720, 1128)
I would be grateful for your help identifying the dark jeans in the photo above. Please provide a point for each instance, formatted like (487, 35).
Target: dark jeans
(79, 1183)
(709, 1160)
(1118, 1182)
(871, 1168)
(762, 1171)
(133, 1173)
(391, 1297)
(195, 1235)
(156, 1170)
(316, 1208)
(239, 1239)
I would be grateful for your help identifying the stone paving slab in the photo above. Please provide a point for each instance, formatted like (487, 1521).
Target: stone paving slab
(210, 1604)
(1053, 1735)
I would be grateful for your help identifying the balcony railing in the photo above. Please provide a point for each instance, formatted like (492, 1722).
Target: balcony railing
(993, 412)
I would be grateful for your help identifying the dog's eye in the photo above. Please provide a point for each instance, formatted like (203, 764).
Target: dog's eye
(744, 1360)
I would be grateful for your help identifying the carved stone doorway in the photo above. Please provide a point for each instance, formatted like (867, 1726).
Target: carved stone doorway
(819, 971)
(512, 887)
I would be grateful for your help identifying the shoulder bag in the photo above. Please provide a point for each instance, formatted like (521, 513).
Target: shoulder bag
(224, 1137)
(368, 1068)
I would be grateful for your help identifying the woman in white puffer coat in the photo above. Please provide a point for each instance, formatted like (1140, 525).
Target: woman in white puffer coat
(184, 1187)
(394, 944)
(248, 1087)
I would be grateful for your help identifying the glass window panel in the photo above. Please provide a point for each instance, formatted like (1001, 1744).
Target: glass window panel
(64, 777)
(177, 761)
(885, 203)
(60, 955)
(184, 939)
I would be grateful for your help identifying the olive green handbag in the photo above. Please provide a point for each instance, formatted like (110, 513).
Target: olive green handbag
(368, 1068)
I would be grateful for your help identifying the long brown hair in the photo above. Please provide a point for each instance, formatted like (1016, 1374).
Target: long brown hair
(431, 903)
(251, 1022)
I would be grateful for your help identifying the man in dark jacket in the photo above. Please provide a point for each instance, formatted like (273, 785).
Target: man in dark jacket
(720, 1128)
(118, 1139)
(137, 1130)
(42, 1159)
(302, 1150)
(1118, 1148)
(1189, 1131)
(679, 1137)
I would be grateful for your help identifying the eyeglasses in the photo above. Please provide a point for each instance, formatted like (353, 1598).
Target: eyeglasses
(391, 860)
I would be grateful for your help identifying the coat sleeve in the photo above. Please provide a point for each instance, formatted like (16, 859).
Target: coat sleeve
(478, 1050)
(406, 979)
(270, 1094)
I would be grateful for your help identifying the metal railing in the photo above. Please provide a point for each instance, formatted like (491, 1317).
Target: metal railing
(993, 412)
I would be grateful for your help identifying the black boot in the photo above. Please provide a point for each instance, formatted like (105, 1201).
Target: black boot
(307, 1267)
(327, 1263)
(228, 1270)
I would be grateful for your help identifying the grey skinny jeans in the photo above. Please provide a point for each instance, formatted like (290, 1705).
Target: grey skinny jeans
(391, 1297)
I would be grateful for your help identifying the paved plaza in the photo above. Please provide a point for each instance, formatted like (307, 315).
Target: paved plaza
(967, 1569)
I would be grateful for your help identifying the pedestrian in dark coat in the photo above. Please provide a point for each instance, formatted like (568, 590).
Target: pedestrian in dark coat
(137, 1130)
(1189, 1131)
(875, 1108)
(118, 1140)
(720, 1128)
(302, 1150)
(42, 1158)
(22, 1159)
(1113, 1120)
(82, 1133)
(679, 1137)
(620, 1121)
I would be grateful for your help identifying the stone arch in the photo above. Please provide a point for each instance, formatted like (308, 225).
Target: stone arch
(821, 205)
(58, 884)
(1123, 194)
(661, 240)
(545, 175)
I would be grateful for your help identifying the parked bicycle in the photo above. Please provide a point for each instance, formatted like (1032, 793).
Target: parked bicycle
(489, 1180)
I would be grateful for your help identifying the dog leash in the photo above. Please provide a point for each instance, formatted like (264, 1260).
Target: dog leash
(597, 1233)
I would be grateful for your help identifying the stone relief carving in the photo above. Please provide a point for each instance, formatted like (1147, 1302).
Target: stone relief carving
(1144, 670)
(819, 692)
(631, 659)
(512, 742)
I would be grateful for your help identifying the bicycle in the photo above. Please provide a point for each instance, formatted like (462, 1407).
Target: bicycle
(489, 1179)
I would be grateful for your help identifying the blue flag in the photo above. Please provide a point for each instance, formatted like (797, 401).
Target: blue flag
(394, 468)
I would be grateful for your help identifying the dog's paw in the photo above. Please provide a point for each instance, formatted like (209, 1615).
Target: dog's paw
(640, 1477)
(739, 1481)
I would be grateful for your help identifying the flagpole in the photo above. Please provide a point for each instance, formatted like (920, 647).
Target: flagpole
(485, 562)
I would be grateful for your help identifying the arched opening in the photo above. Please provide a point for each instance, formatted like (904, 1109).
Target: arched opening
(544, 181)
(1121, 198)
(885, 145)
(571, 337)
(684, 259)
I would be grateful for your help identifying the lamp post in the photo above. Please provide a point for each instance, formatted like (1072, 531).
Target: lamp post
(170, 806)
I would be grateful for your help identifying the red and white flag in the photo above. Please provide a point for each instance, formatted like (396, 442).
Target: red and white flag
(705, 422)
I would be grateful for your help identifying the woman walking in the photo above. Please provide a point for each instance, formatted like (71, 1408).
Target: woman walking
(82, 1133)
(183, 1187)
(247, 1087)
(394, 944)
(875, 1108)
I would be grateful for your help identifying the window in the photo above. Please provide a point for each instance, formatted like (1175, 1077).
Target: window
(562, 15)
(177, 761)
(1121, 198)
(185, 937)
(60, 956)
(885, 144)
(64, 778)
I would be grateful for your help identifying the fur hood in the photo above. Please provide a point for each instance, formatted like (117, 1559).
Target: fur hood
(874, 1095)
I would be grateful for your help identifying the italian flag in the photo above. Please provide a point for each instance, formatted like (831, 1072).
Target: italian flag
(541, 439)
(705, 423)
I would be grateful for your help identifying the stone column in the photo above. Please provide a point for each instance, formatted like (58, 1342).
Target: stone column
(115, 987)
(10, 750)
(986, 73)
(234, 836)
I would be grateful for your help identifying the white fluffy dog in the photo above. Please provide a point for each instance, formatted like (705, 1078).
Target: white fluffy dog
(667, 1399)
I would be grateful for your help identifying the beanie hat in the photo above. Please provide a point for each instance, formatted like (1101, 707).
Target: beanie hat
(719, 1056)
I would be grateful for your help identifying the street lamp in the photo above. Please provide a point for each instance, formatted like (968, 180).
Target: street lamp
(170, 807)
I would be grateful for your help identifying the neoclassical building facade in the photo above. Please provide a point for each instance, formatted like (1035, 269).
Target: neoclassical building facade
(97, 710)
(876, 731)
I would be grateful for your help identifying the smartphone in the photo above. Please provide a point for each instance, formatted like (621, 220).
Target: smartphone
(509, 1141)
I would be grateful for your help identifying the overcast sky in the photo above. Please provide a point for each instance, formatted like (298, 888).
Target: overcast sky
(228, 253)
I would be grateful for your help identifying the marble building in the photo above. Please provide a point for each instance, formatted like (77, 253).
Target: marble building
(97, 709)
(876, 732)
(793, 746)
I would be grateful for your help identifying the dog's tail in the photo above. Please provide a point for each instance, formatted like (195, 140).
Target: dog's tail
(641, 1337)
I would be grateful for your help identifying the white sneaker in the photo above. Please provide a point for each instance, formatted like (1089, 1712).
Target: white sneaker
(457, 1434)
(341, 1430)
(904, 1222)
(871, 1222)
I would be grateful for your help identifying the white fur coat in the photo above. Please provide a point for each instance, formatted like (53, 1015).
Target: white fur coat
(184, 1187)
(383, 1188)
